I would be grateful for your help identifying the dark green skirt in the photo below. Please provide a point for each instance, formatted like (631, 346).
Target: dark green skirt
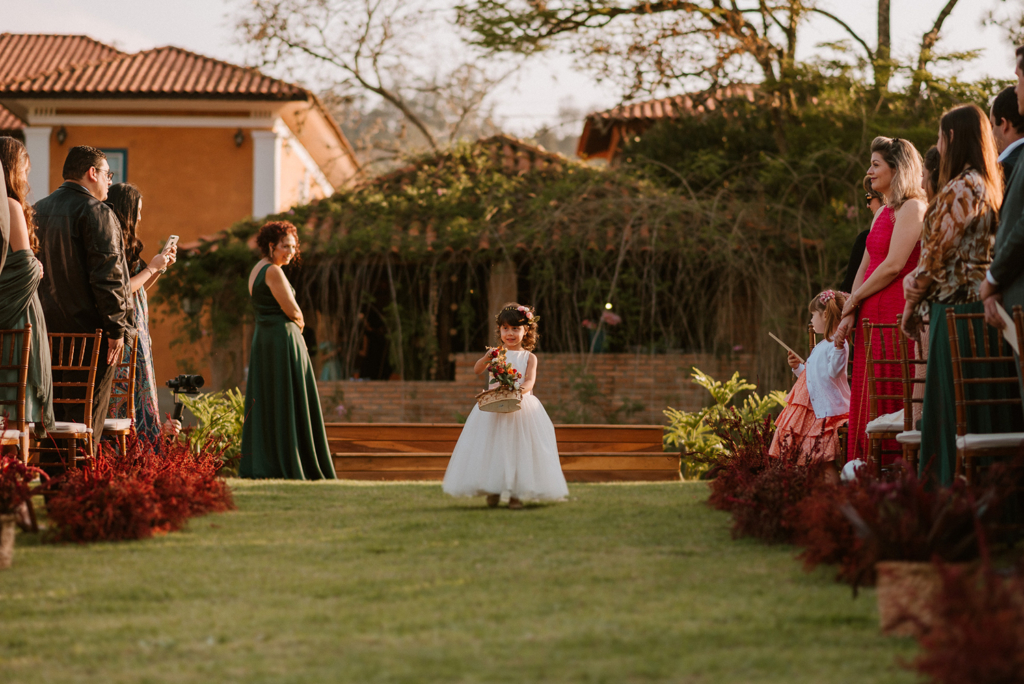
(937, 458)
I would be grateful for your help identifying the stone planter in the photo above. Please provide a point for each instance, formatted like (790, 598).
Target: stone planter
(907, 596)
(7, 528)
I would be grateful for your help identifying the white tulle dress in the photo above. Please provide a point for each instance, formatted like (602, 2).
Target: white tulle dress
(512, 454)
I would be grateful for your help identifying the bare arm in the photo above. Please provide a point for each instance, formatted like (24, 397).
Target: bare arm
(282, 291)
(905, 236)
(531, 374)
(481, 365)
(148, 276)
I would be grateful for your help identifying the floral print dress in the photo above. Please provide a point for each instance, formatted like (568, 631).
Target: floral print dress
(956, 248)
(147, 413)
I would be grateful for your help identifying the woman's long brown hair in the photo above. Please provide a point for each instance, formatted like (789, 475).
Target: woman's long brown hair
(14, 159)
(971, 145)
(124, 199)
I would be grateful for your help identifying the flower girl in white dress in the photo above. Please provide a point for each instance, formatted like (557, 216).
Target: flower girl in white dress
(509, 453)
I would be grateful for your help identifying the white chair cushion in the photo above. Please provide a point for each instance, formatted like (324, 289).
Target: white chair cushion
(909, 437)
(990, 441)
(117, 424)
(64, 426)
(10, 434)
(890, 422)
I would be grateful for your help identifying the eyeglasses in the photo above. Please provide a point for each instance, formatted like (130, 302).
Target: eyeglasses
(108, 172)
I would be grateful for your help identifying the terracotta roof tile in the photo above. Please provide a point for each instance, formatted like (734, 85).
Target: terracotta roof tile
(27, 54)
(9, 122)
(162, 72)
(597, 139)
(673, 107)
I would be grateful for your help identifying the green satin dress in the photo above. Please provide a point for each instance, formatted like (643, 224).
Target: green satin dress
(283, 435)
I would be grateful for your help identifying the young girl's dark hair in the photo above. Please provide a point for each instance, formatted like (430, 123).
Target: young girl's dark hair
(515, 315)
(830, 303)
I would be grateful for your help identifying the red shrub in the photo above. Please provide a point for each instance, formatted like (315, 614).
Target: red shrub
(132, 495)
(897, 518)
(15, 478)
(979, 636)
(826, 534)
(767, 508)
(746, 455)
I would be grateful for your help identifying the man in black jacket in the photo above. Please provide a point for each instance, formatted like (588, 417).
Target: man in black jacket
(1007, 129)
(87, 282)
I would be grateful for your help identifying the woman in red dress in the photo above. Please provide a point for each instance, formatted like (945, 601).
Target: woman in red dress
(892, 250)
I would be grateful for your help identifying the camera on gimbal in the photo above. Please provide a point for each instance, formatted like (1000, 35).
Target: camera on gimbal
(184, 384)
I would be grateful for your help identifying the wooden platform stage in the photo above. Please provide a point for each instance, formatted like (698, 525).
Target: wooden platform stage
(420, 451)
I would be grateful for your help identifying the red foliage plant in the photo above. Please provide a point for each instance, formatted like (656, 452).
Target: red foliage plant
(896, 518)
(15, 478)
(826, 533)
(761, 491)
(744, 456)
(768, 508)
(978, 637)
(133, 495)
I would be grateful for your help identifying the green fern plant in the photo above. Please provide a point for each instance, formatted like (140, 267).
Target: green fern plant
(692, 432)
(220, 416)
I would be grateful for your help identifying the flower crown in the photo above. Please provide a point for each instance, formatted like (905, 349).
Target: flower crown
(527, 315)
(830, 295)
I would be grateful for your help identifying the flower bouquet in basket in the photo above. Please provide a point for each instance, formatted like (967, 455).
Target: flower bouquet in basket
(506, 397)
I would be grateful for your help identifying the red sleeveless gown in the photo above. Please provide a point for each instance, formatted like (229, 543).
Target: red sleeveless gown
(882, 307)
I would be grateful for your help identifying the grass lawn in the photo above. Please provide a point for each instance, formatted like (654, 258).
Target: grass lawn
(345, 582)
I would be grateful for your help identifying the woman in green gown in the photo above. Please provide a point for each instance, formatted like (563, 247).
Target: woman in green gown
(283, 435)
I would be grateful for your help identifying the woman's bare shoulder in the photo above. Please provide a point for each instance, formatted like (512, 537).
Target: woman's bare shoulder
(19, 227)
(911, 207)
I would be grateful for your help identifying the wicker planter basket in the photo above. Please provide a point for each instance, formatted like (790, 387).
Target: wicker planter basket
(499, 400)
(7, 525)
(907, 595)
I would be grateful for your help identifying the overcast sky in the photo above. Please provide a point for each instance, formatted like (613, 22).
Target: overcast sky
(205, 26)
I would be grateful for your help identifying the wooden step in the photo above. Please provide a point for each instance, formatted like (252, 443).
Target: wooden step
(420, 451)
(592, 461)
(570, 476)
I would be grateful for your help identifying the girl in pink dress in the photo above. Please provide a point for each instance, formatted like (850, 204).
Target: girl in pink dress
(892, 251)
(819, 403)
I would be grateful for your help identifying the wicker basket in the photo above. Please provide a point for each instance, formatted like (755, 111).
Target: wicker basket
(499, 400)
(907, 596)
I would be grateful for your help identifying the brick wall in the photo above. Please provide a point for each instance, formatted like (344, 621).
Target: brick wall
(623, 388)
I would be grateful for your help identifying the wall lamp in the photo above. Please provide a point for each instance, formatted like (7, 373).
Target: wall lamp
(239, 138)
(62, 135)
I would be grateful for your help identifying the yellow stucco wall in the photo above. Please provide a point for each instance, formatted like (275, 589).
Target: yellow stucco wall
(194, 181)
(293, 180)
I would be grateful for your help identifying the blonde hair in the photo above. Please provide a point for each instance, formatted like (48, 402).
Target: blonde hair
(907, 167)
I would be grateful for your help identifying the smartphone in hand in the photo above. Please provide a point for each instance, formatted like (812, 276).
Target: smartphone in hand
(172, 241)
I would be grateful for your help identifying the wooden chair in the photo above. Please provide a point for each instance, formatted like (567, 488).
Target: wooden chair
(14, 355)
(910, 438)
(74, 367)
(880, 354)
(122, 394)
(994, 350)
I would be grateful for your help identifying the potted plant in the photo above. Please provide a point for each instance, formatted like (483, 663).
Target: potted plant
(15, 478)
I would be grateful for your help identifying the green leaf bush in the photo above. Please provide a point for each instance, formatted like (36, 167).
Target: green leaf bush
(220, 416)
(693, 433)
